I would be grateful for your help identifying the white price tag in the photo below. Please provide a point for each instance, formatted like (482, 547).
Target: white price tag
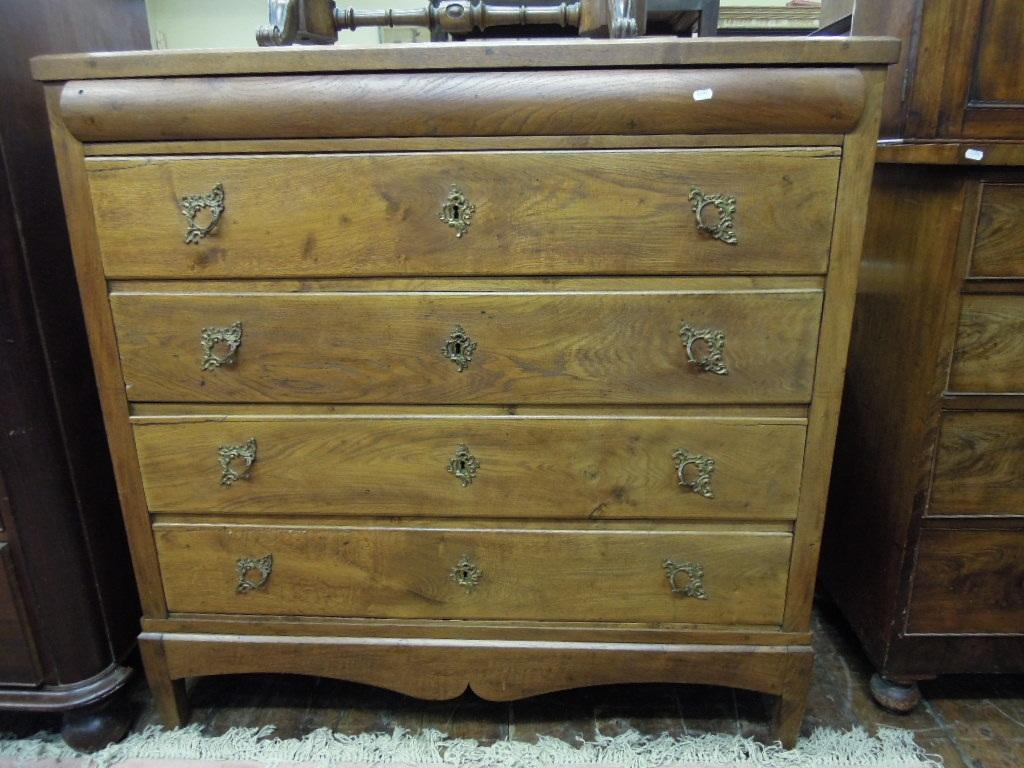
(703, 94)
(974, 154)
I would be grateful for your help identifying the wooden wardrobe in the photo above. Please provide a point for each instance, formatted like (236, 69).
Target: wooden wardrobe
(924, 547)
(68, 612)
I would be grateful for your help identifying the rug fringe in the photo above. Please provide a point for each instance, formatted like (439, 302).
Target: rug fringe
(824, 748)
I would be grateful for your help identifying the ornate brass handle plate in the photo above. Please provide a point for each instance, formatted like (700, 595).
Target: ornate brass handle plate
(457, 212)
(466, 573)
(253, 572)
(464, 465)
(724, 228)
(229, 457)
(193, 205)
(694, 584)
(710, 354)
(220, 345)
(704, 466)
(459, 348)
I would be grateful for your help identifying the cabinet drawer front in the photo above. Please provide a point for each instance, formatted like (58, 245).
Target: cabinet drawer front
(969, 581)
(449, 573)
(999, 240)
(498, 466)
(989, 353)
(18, 662)
(980, 465)
(596, 212)
(529, 347)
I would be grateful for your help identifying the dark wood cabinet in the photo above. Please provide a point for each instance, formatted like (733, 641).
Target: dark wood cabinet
(924, 543)
(961, 70)
(68, 615)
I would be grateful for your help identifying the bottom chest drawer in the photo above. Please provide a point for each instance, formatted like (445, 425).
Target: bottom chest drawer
(968, 581)
(699, 576)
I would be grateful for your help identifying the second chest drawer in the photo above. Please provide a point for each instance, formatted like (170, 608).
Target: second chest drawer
(719, 341)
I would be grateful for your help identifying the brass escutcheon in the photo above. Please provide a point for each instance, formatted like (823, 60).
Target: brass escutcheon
(694, 586)
(712, 359)
(466, 574)
(253, 572)
(211, 339)
(459, 348)
(463, 465)
(457, 212)
(724, 229)
(227, 455)
(705, 466)
(192, 205)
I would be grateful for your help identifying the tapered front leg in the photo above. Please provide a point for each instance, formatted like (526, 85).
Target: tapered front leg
(788, 711)
(169, 694)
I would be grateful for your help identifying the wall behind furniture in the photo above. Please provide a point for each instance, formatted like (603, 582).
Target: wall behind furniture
(232, 23)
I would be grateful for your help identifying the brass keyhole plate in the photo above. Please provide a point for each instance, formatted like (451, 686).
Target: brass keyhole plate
(466, 574)
(457, 212)
(464, 465)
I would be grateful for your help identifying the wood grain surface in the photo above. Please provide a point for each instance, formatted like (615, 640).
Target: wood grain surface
(399, 572)
(999, 240)
(989, 354)
(488, 54)
(547, 467)
(763, 100)
(535, 213)
(968, 581)
(980, 465)
(833, 343)
(621, 347)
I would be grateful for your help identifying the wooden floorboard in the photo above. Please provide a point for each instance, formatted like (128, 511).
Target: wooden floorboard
(970, 721)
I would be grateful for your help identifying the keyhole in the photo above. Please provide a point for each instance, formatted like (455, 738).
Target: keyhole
(455, 212)
(456, 348)
(462, 465)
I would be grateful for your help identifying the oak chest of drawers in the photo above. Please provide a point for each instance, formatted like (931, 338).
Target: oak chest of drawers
(507, 366)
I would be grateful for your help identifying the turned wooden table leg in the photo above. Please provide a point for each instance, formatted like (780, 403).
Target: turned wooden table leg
(169, 694)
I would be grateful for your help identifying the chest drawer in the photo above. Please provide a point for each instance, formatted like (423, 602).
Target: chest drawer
(979, 469)
(469, 213)
(999, 238)
(989, 352)
(18, 662)
(652, 345)
(462, 573)
(969, 581)
(459, 466)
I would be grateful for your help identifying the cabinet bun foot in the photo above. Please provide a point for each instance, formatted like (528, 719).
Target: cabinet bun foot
(893, 695)
(91, 728)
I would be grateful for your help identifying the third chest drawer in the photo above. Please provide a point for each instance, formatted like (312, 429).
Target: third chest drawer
(711, 340)
(458, 465)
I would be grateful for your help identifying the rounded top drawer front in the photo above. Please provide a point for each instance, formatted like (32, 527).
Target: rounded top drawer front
(724, 211)
(496, 103)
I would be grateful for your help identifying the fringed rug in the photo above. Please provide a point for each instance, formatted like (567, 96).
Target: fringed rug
(257, 748)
